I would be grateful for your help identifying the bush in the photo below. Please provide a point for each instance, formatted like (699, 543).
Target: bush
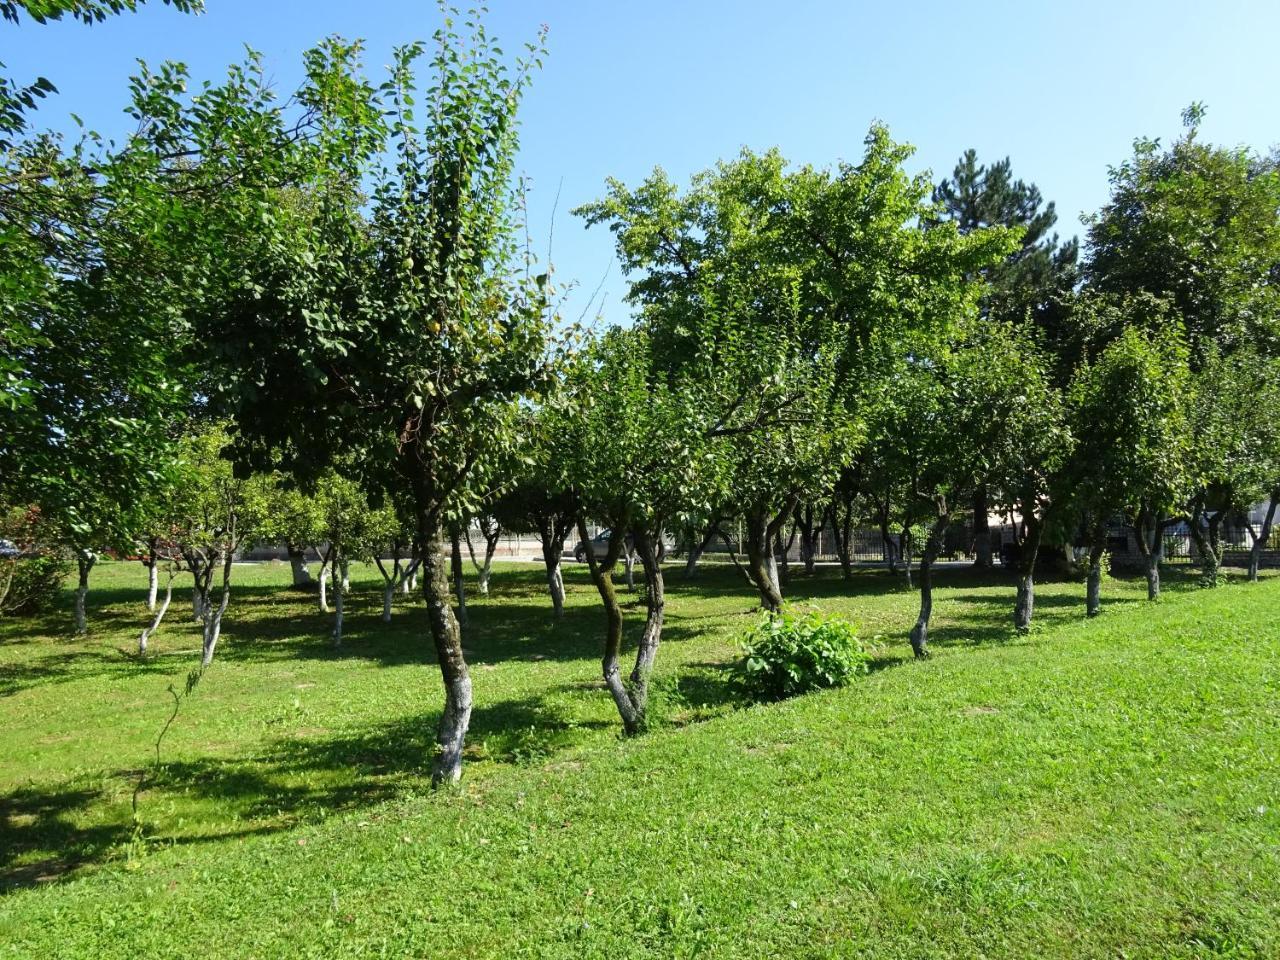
(31, 584)
(789, 654)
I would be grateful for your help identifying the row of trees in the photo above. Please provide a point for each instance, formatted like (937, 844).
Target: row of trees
(312, 321)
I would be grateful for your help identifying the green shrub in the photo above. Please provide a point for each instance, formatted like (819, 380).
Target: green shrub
(789, 654)
(31, 584)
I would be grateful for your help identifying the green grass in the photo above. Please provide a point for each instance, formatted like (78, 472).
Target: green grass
(1108, 788)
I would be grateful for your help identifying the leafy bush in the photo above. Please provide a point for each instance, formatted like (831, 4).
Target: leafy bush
(31, 584)
(31, 579)
(789, 654)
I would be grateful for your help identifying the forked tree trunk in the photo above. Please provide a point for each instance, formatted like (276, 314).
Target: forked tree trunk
(1024, 606)
(696, 550)
(981, 530)
(213, 618)
(760, 560)
(455, 571)
(602, 577)
(1260, 540)
(1206, 545)
(148, 632)
(932, 547)
(447, 637)
(484, 571)
(298, 565)
(85, 559)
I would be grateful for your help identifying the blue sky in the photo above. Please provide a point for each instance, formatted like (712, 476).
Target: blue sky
(1060, 87)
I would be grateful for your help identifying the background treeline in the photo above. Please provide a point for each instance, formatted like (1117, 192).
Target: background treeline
(315, 319)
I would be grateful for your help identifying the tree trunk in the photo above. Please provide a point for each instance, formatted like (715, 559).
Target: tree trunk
(1260, 540)
(760, 564)
(629, 563)
(197, 605)
(1024, 606)
(345, 573)
(602, 576)
(85, 559)
(981, 530)
(932, 547)
(782, 554)
(551, 534)
(213, 621)
(1093, 588)
(298, 564)
(147, 632)
(326, 569)
(339, 593)
(1148, 530)
(655, 603)
(455, 571)
(492, 532)
(153, 574)
(447, 637)
(808, 531)
(905, 547)
(1210, 558)
(388, 592)
(842, 526)
(697, 550)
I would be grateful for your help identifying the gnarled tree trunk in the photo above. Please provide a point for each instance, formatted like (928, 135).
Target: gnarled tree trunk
(762, 567)
(602, 576)
(447, 637)
(932, 547)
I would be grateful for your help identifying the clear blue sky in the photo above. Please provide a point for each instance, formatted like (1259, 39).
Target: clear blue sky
(1060, 87)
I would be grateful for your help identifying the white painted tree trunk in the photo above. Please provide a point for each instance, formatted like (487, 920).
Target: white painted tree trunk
(156, 621)
(324, 588)
(153, 583)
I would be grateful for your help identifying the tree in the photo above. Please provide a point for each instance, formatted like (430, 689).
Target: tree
(1026, 286)
(635, 452)
(778, 295)
(412, 328)
(215, 513)
(1197, 226)
(1127, 409)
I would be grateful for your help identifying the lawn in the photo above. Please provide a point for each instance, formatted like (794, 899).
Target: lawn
(1105, 788)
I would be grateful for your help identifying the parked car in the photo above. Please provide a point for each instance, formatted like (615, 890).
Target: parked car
(9, 550)
(599, 545)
